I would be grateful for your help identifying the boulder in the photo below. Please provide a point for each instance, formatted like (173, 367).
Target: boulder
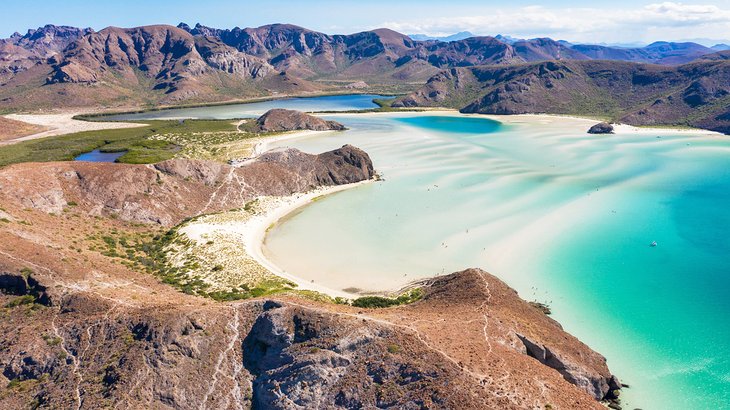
(601, 128)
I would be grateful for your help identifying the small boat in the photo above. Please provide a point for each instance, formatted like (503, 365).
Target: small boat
(653, 244)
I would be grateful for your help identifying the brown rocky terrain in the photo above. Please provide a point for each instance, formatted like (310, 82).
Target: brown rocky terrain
(84, 329)
(695, 94)
(278, 119)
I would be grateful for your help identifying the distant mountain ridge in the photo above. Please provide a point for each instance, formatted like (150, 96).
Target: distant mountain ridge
(695, 94)
(453, 37)
(166, 64)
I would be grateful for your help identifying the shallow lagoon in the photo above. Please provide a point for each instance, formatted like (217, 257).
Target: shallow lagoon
(222, 112)
(563, 217)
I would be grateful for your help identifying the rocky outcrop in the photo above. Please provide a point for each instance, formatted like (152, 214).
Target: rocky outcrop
(278, 120)
(24, 284)
(596, 384)
(308, 360)
(152, 350)
(167, 192)
(601, 128)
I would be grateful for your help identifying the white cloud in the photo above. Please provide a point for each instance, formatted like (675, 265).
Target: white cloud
(668, 20)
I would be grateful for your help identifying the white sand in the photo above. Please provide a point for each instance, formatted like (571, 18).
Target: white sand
(252, 232)
(588, 122)
(59, 124)
(263, 143)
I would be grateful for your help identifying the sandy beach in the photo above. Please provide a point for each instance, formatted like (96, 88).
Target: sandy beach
(251, 231)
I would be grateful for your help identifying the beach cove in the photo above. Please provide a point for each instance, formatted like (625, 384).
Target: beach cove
(563, 217)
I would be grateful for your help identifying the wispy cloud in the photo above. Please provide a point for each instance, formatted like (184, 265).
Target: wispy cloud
(666, 20)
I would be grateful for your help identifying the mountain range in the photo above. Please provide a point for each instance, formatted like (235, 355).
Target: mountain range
(65, 66)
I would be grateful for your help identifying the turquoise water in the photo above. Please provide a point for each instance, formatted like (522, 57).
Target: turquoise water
(328, 103)
(98, 156)
(562, 216)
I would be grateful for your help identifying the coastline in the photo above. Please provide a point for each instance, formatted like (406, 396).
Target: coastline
(255, 233)
(233, 229)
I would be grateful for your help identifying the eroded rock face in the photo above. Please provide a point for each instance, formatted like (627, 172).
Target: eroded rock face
(601, 128)
(588, 379)
(278, 119)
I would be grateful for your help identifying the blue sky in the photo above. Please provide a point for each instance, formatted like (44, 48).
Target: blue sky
(598, 21)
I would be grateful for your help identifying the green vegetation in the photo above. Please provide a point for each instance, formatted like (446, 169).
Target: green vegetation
(52, 340)
(154, 142)
(20, 301)
(393, 348)
(383, 302)
(20, 384)
(151, 253)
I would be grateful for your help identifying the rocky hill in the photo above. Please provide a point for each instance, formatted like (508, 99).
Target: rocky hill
(167, 192)
(169, 65)
(278, 120)
(82, 328)
(695, 94)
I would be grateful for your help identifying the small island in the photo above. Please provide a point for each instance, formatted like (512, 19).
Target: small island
(279, 120)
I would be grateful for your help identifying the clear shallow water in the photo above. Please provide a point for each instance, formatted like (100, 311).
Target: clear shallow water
(98, 156)
(563, 217)
(219, 112)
